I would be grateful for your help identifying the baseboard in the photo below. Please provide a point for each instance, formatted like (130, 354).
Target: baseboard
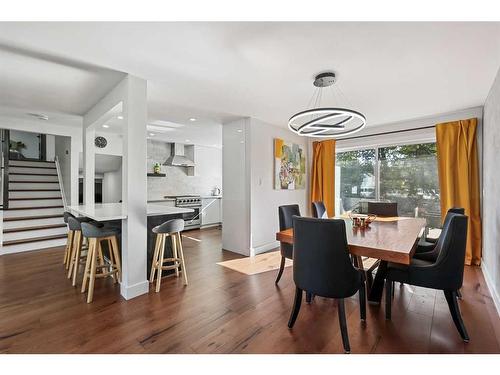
(266, 247)
(491, 287)
(136, 290)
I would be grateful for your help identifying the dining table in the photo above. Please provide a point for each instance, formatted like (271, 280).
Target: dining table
(389, 239)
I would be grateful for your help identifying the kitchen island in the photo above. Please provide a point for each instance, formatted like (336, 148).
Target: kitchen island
(112, 215)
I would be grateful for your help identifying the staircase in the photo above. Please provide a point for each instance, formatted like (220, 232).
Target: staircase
(34, 219)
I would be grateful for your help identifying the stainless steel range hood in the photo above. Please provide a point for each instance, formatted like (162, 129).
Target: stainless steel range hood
(178, 157)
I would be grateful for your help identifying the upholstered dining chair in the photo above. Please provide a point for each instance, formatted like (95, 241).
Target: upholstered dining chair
(445, 274)
(319, 210)
(285, 214)
(383, 208)
(322, 266)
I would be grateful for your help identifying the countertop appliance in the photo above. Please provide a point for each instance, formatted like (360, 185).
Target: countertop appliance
(192, 220)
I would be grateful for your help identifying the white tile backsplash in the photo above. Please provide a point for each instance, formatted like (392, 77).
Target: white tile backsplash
(208, 172)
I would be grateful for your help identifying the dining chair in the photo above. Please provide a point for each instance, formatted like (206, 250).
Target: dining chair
(383, 208)
(319, 210)
(445, 274)
(322, 266)
(285, 214)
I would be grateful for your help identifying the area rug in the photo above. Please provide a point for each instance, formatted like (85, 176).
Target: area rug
(257, 264)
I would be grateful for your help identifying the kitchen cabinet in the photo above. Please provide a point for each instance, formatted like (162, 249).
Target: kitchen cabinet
(211, 211)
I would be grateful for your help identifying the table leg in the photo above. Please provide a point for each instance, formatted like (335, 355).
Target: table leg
(378, 284)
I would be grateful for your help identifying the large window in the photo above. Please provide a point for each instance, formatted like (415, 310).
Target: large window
(406, 174)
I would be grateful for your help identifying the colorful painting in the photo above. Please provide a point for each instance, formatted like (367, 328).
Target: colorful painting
(289, 165)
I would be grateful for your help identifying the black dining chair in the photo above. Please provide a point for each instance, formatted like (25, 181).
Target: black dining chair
(318, 209)
(383, 208)
(285, 214)
(322, 266)
(445, 274)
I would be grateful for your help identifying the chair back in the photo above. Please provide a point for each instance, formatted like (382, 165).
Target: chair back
(383, 208)
(73, 224)
(318, 209)
(451, 247)
(321, 262)
(285, 214)
(170, 226)
(67, 215)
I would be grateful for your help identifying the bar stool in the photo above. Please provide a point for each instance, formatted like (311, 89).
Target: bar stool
(96, 235)
(69, 242)
(172, 229)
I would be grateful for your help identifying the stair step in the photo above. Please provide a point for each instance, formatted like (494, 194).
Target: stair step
(24, 229)
(31, 163)
(32, 211)
(33, 208)
(33, 178)
(28, 169)
(18, 218)
(30, 203)
(28, 222)
(33, 185)
(34, 239)
(21, 234)
(34, 194)
(31, 174)
(32, 198)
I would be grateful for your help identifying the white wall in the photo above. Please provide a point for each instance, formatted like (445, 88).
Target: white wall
(112, 186)
(491, 189)
(50, 147)
(265, 200)
(250, 202)
(208, 171)
(62, 149)
(236, 186)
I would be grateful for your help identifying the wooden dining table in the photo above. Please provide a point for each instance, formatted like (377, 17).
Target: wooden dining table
(390, 239)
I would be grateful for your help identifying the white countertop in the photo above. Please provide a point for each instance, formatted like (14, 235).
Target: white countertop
(116, 211)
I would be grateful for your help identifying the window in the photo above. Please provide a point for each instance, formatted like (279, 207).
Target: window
(406, 174)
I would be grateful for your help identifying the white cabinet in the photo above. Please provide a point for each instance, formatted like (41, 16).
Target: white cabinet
(211, 211)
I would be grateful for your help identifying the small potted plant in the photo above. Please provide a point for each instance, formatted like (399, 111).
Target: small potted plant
(157, 168)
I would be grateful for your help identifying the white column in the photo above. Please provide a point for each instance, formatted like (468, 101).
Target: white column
(88, 166)
(134, 193)
(76, 143)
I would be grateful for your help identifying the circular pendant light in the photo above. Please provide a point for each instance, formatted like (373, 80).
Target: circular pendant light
(323, 122)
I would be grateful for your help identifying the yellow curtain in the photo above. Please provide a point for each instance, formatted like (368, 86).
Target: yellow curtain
(323, 174)
(459, 178)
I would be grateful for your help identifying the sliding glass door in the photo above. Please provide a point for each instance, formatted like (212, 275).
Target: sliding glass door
(406, 174)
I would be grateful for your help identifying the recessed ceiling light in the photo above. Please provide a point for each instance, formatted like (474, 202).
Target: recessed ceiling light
(240, 130)
(151, 134)
(105, 126)
(120, 117)
(192, 119)
(39, 116)
(187, 140)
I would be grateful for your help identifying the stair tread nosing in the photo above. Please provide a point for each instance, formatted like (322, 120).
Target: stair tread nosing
(32, 161)
(33, 182)
(34, 239)
(33, 199)
(32, 208)
(31, 166)
(26, 229)
(30, 174)
(17, 190)
(31, 217)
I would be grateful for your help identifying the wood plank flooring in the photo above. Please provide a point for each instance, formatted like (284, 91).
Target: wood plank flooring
(223, 311)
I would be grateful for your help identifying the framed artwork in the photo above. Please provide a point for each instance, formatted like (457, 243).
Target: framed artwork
(289, 165)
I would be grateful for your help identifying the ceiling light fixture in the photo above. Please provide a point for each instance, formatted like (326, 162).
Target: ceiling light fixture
(120, 117)
(322, 122)
(39, 116)
(151, 134)
(105, 126)
(192, 119)
(187, 140)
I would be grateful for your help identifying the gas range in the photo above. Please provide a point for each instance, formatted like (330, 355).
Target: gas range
(192, 220)
(186, 200)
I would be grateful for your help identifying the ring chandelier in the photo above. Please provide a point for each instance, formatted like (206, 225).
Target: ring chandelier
(325, 122)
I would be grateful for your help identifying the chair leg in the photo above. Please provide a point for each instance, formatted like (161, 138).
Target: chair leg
(86, 272)
(116, 254)
(67, 250)
(296, 307)
(451, 298)
(362, 302)
(175, 254)
(155, 259)
(93, 267)
(343, 325)
(388, 299)
(282, 267)
(459, 294)
(183, 263)
(160, 263)
(78, 245)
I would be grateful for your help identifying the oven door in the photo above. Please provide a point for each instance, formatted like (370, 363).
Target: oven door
(192, 219)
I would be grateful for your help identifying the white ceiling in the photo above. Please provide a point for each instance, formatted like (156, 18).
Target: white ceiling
(219, 71)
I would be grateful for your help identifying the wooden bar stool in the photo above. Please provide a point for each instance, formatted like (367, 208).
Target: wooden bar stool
(69, 242)
(107, 267)
(172, 229)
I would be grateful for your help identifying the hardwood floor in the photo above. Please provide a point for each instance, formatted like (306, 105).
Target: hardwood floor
(223, 311)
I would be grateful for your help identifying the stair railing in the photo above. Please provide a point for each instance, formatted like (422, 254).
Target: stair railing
(61, 185)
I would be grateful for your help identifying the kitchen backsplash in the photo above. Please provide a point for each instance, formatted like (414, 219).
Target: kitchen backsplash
(208, 172)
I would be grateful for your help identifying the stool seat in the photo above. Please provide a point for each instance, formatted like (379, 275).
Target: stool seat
(90, 230)
(170, 226)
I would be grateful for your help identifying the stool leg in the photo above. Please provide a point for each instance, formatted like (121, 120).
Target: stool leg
(93, 266)
(78, 250)
(113, 261)
(69, 247)
(71, 261)
(87, 264)
(183, 265)
(160, 262)
(116, 254)
(175, 255)
(155, 259)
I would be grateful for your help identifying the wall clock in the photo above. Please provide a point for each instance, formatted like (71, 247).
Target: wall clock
(100, 142)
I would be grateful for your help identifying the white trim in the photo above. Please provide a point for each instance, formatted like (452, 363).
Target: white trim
(136, 290)
(266, 247)
(491, 286)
